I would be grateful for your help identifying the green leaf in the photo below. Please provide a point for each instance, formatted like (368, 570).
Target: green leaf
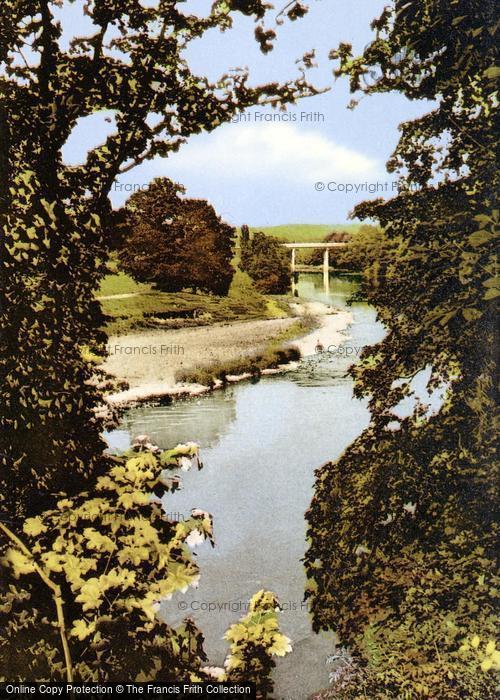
(491, 294)
(493, 72)
(480, 237)
(471, 314)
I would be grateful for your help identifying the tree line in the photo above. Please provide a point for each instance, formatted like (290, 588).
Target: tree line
(179, 243)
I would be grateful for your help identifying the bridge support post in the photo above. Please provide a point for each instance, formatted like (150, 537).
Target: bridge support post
(326, 270)
(294, 274)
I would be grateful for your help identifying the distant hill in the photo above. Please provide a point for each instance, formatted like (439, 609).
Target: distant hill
(305, 232)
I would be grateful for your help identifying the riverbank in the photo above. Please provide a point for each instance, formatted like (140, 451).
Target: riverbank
(156, 364)
(331, 326)
(132, 308)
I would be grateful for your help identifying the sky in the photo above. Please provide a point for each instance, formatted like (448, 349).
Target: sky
(311, 164)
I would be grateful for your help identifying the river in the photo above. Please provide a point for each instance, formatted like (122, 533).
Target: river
(260, 444)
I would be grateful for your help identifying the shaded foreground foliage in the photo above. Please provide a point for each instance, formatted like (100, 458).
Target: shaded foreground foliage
(54, 240)
(402, 528)
(109, 558)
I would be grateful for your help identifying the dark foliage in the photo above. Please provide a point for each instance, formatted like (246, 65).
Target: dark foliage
(266, 261)
(176, 243)
(402, 527)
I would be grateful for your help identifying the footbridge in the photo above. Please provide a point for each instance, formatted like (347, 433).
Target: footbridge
(326, 247)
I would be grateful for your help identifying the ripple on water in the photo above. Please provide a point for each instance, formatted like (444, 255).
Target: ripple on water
(260, 446)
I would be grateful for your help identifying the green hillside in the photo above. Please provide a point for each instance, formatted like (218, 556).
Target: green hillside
(304, 232)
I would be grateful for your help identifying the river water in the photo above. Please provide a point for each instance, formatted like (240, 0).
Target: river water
(260, 444)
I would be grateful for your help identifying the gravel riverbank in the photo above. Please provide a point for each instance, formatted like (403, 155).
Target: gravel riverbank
(150, 361)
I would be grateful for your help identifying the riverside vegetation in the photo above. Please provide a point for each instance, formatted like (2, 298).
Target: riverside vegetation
(108, 558)
(54, 251)
(402, 529)
(129, 306)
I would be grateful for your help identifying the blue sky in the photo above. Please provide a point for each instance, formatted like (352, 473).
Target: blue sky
(264, 172)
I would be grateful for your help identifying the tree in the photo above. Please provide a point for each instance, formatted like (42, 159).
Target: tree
(368, 247)
(245, 235)
(402, 555)
(177, 243)
(52, 214)
(266, 261)
(54, 220)
(370, 251)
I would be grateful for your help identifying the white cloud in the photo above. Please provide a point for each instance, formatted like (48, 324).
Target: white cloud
(265, 151)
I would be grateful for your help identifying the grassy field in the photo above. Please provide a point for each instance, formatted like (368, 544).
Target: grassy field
(149, 308)
(120, 283)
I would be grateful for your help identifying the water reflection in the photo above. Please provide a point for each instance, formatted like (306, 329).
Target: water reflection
(341, 288)
(205, 419)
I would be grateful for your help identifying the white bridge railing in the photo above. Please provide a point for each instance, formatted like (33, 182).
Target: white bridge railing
(326, 259)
